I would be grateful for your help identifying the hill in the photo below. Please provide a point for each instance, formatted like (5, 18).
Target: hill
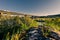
(49, 16)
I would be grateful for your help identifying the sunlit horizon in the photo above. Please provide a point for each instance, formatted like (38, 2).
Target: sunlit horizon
(33, 7)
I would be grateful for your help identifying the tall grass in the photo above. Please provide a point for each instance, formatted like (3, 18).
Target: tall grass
(14, 27)
(54, 24)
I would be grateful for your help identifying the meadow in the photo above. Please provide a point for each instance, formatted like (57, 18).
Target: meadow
(14, 28)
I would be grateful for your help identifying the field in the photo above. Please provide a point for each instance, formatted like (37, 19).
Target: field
(15, 28)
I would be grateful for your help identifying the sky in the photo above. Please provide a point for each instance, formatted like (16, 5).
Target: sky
(34, 7)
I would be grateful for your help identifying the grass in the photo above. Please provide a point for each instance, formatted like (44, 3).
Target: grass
(13, 28)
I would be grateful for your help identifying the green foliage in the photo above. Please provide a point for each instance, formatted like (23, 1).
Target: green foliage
(54, 24)
(14, 26)
(29, 22)
(11, 28)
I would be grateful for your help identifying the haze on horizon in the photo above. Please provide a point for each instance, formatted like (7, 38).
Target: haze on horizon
(34, 7)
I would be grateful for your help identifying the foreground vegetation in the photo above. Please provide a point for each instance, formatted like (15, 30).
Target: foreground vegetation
(54, 24)
(14, 28)
(11, 28)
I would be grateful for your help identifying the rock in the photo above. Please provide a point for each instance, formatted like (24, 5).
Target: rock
(54, 36)
(37, 34)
